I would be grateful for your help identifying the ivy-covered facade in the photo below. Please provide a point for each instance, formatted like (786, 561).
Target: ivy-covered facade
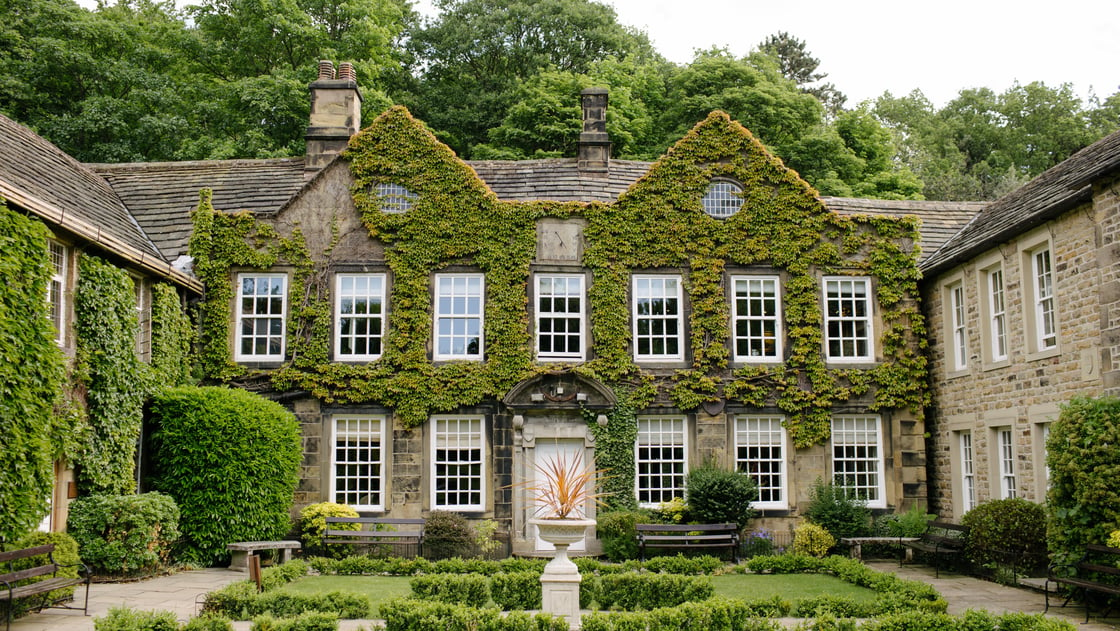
(438, 341)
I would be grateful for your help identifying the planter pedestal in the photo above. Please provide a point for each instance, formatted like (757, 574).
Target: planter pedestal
(560, 580)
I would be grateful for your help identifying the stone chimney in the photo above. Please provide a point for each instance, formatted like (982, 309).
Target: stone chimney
(594, 144)
(336, 114)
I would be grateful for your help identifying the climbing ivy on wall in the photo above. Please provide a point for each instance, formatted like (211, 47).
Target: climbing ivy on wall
(115, 379)
(171, 337)
(31, 374)
(657, 225)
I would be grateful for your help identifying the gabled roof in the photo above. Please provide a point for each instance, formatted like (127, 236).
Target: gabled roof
(161, 195)
(940, 220)
(557, 179)
(1057, 190)
(43, 180)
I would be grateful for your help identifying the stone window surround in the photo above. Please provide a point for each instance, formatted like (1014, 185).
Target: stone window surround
(779, 323)
(994, 422)
(1028, 246)
(685, 429)
(950, 286)
(582, 315)
(1040, 418)
(384, 449)
(957, 425)
(984, 267)
(431, 431)
(269, 358)
(336, 321)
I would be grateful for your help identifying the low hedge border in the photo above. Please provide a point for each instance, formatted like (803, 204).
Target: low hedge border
(406, 614)
(242, 601)
(397, 566)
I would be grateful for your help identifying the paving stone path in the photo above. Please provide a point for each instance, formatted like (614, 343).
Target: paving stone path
(181, 593)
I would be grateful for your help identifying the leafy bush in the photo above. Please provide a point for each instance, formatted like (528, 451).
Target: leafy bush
(485, 536)
(516, 590)
(309, 621)
(1006, 532)
(716, 614)
(65, 553)
(1114, 539)
(208, 622)
(831, 508)
(681, 564)
(124, 535)
(812, 540)
(403, 614)
(451, 588)
(912, 523)
(717, 495)
(629, 591)
(242, 601)
(313, 523)
(231, 460)
(1083, 455)
(617, 533)
(447, 534)
(127, 619)
(970, 620)
(758, 543)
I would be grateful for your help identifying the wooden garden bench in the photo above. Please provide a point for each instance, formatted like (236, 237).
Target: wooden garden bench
(374, 530)
(1090, 573)
(688, 537)
(941, 539)
(11, 589)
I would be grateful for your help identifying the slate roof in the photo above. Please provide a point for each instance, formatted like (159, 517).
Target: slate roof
(557, 179)
(940, 220)
(44, 180)
(1055, 191)
(161, 195)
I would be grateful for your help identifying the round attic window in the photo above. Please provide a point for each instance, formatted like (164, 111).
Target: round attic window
(394, 198)
(723, 199)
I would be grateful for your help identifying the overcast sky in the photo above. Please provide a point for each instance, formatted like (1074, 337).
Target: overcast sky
(871, 46)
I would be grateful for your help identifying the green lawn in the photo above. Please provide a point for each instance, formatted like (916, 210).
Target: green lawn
(792, 587)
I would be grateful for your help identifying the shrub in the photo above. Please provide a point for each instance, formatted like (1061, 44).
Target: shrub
(1006, 532)
(812, 540)
(631, 590)
(403, 614)
(758, 543)
(716, 614)
(123, 535)
(1114, 539)
(516, 590)
(447, 534)
(617, 534)
(912, 523)
(831, 508)
(309, 621)
(1083, 455)
(451, 588)
(485, 536)
(231, 460)
(717, 495)
(65, 553)
(208, 622)
(313, 522)
(681, 564)
(127, 619)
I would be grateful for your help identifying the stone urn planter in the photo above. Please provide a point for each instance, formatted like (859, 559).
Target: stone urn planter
(560, 580)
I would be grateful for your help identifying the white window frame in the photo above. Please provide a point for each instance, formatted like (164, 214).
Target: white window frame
(1045, 329)
(394, 198)
(59, 256)
(957, 327)
(656, 436)
(142, 292)
(374, 294)
(560, 290)
(722, 199)
(749, 318)
(857, 450)
(672, 293)
(1005, 442)
(471, 288)
(270, 317)
(996, 292)
(344, 442)
(766, 435)
(466, 433)
(834, 314)
(968, 471)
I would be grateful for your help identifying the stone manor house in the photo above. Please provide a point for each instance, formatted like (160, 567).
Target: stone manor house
(440, 327)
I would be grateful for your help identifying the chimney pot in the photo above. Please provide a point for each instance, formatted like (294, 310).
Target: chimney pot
(346, 71)
(326, 69)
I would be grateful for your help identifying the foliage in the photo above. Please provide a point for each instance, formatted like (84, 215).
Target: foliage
(1006, 529)
(208, 622)
(398, 566)
(128, 619)
(313, 523)
(125, 535)
(799, 66)
(32, 373)
(172, 335)
(812, 540)
(715, 614)
(831, 508)
(516, 590)
(758, 543)
(1113, 539)
(306, 621)
(65, 553)
(242, 601)
(1083, 456)
(912, 523)
(405, 614)
(485, 540)
(717, 495)
(616, 531)
(971, 620)
(447, 534)
(230, 459)
(451, 588)
(630, 591)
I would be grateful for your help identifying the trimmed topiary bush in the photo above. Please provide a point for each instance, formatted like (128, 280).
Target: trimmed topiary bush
(313, 522)
(128, 619)
(812, 540)
(717, 496)
(125, 535)
(1006, 535)
(830, 508)
(446, 535)
(230, 459)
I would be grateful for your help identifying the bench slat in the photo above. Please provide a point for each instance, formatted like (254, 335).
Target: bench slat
(41, 587)
(12, 555)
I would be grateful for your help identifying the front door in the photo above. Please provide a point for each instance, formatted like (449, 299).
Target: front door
(545, 451)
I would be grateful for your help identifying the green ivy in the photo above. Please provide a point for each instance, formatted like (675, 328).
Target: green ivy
(657, 224)
(172, 335)
(115, 379)
(31, 374)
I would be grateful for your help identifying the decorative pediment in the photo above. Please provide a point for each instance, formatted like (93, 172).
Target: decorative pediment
(559, 391)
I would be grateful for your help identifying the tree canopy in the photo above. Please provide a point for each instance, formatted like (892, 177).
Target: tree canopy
(141, 80)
